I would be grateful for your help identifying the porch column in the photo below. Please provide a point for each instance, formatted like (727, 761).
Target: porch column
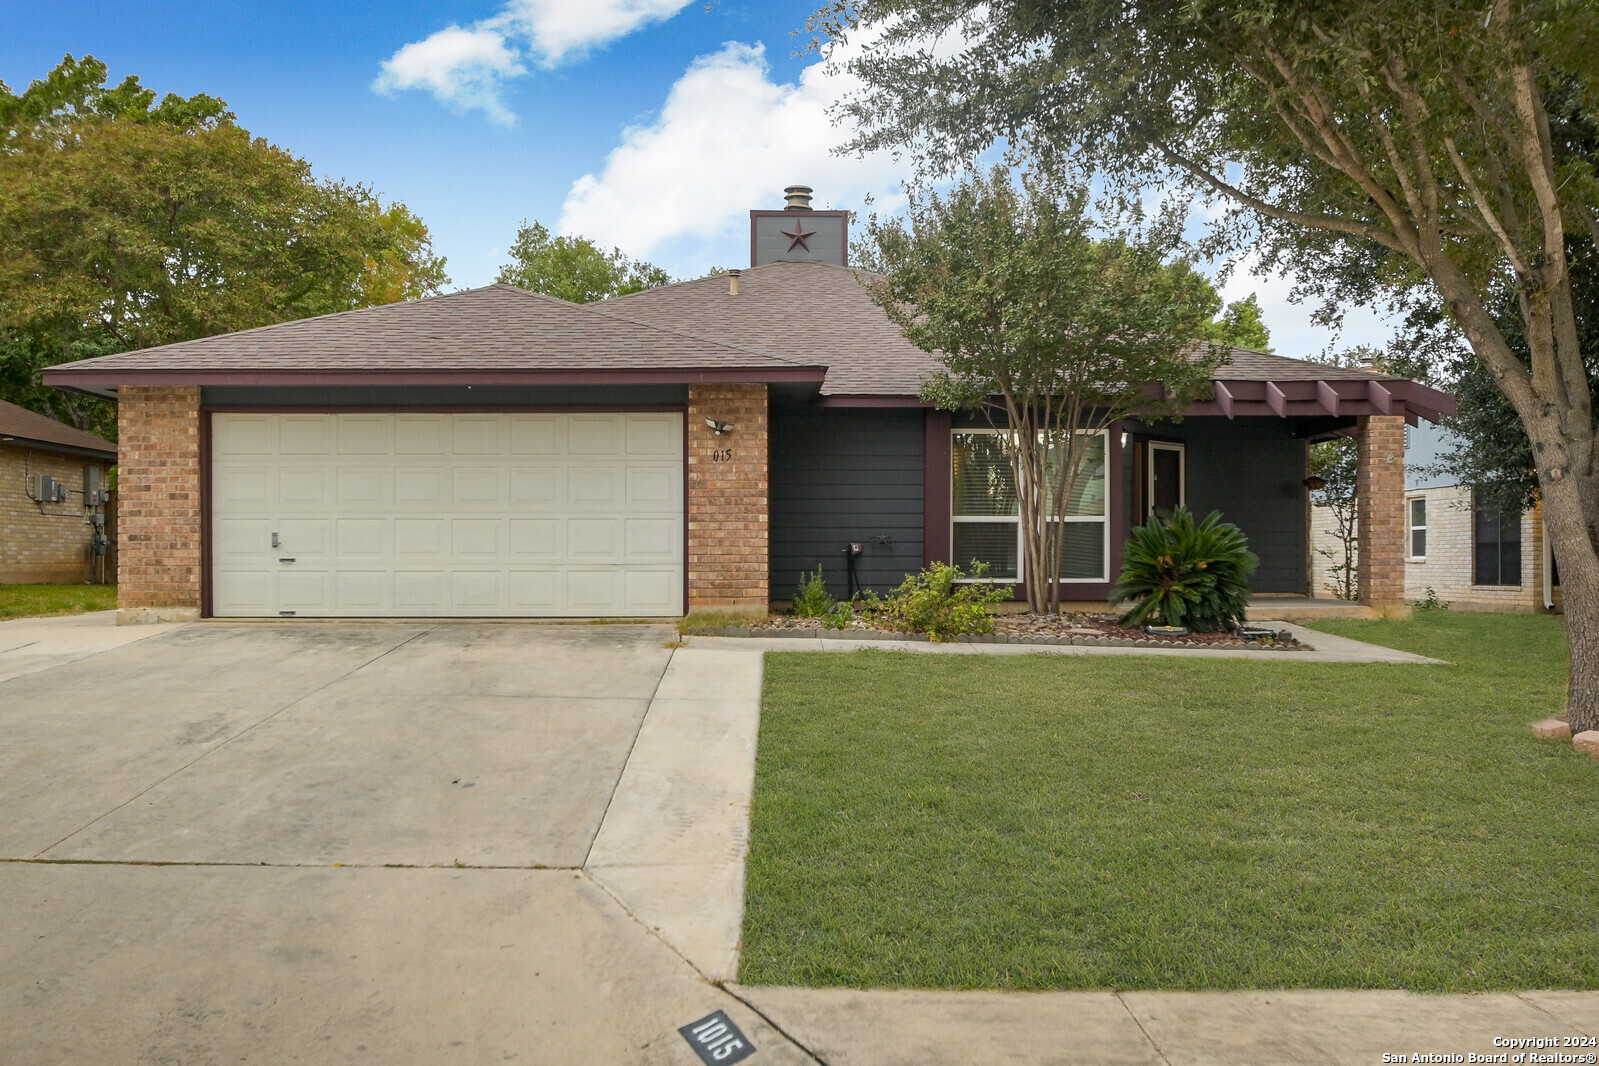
(159, 529)
(728, 498)
(1380, 515)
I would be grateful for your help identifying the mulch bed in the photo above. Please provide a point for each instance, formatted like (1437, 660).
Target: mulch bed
(1089, 630)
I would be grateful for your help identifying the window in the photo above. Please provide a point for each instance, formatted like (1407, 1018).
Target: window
(1418, 527)
(1497, 536)
(985, 518)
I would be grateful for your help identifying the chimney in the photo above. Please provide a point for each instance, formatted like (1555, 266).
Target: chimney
(798, 233)
(732, 281)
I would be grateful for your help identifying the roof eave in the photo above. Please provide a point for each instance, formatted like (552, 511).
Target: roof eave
(92, 381)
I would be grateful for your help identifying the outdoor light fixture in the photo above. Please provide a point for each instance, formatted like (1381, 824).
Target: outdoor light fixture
(1314, 483)
(718, 427)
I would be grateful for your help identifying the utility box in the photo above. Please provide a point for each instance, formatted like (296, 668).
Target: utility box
(94, 491)
(48, 490)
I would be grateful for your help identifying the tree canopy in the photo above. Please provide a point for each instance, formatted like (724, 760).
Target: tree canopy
(1365, 146)
(575, 268)
(128, 222)
(1050, 331)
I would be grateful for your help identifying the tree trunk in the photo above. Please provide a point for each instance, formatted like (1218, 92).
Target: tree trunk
(1570, 536)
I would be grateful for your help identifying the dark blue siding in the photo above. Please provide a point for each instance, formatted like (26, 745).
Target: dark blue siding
(1252, 471)
(841, 475)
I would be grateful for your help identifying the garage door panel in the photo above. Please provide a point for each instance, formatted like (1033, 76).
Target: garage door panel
(254, 435)
(364, 486)
(366, 434)
(363, 537)
(656, 436)
(363, 591)
(536, 434)
(419, 536)
(310, 591)
(651, 591)
(475, 536)
(588, 435)
(244, 592)
(536, 537)
(419, 591)
(301, 485)
(305, 435)
(244, 488)
(548, 514)
(241, 536)
(475, 486)
(420, 485)
(421, 434)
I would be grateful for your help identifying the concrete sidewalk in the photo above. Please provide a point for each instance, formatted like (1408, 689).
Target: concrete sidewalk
(28, 645)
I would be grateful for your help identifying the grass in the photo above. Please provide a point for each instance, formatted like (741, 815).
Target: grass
(710, 617)
(42, 601)
(1094, 822)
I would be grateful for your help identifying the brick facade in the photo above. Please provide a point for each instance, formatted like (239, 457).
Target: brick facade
(729, 501)
(1380, 515)
(44, 542)
(159, 508)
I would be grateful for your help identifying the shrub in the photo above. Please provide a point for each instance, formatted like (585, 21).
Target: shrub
(931, 602)
(811, 599)
(1179, 572)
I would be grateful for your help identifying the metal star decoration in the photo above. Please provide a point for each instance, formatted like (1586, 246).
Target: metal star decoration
(799, 236)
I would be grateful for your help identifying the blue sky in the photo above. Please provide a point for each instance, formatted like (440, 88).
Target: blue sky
(654, 125)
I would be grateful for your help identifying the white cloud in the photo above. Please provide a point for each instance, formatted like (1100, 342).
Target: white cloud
(467, 68)
(461, 67)
(727, 139)
(1293, 333)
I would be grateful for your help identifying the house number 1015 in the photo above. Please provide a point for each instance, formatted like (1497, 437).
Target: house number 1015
(722, 455)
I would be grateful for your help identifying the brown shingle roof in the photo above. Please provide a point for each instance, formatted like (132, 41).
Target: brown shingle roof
(495, 328)
(823, 314)
(41, 431)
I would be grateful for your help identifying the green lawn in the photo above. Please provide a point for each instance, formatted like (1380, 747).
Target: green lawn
(1093, 822)
(40, 601)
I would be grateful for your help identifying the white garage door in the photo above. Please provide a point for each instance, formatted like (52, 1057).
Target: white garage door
(400, 515)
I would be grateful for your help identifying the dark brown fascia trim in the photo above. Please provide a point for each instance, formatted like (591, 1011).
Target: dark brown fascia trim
(858, 400)
(60, 378)
(109, 454)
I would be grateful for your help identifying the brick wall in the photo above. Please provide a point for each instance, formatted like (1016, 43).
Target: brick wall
(48, 543)
(728, 498)
(158, 501)
(1380, 492)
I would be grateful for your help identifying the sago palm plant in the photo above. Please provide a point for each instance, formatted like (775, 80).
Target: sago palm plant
(1179, 572)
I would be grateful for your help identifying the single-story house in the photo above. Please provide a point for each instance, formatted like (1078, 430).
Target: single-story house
(53, 496)
(500, 453)
(1460, 549)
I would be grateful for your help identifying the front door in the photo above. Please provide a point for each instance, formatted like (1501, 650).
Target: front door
(1166, 464)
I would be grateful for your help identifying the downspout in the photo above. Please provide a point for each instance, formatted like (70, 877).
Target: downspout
(1548, 565)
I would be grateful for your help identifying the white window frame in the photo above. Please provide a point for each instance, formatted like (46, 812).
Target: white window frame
(1411, 527)
(1021, 556)
(1149, 473)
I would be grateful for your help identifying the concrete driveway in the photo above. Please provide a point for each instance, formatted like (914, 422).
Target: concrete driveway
(368, 843)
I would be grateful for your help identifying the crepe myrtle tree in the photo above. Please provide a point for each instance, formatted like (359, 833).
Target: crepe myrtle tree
(1048, 330)
(1367, 146)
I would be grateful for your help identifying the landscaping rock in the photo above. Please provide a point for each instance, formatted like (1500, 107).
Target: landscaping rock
(1551, 729)
(1587, 741)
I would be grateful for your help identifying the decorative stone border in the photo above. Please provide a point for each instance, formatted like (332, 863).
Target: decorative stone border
(985, 638)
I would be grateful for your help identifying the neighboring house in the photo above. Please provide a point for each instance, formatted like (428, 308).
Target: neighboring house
(499, 453)
(1461, 550)
(47, 532)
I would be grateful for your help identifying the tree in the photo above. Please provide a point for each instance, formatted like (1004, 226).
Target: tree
(127, 223)
(574, 268)
(1366, 145)
(1049, 332)
(1336, 463)
(1239, 326)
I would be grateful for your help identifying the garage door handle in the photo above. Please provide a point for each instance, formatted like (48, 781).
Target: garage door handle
(282, 560)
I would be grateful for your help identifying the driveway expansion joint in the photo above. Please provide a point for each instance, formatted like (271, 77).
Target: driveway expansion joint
(1140, 1023)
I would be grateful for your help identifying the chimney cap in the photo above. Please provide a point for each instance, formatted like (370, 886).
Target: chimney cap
(798, 198)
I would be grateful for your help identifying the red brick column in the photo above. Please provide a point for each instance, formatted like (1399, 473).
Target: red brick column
(1380, 517)
(728, 498)
(158, 503)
